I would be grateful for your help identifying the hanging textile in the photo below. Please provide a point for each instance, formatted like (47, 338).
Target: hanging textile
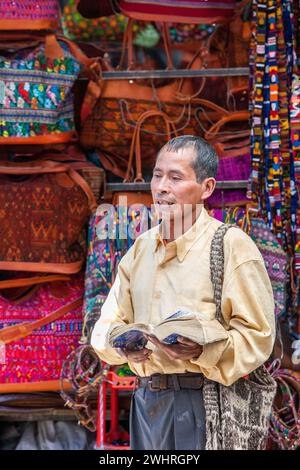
(274, 104)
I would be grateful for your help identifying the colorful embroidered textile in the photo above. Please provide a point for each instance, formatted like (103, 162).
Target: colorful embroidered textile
(109, 238)
(34, 362)
(36, 98)
(276, 121)
(275, 258)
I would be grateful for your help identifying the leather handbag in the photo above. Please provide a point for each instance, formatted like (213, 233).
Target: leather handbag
(144, 198)
(225, 429)
(29, 15)
(75, 159)
(44, 208)
(37, 74)
(37, 334)
(179, 11)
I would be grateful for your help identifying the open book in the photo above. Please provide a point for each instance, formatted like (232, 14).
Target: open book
(181, 323)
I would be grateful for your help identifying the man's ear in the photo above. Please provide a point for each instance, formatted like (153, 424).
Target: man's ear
(208, 185)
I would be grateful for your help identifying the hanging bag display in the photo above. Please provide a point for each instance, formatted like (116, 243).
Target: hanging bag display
(225, 430)
(110, 125)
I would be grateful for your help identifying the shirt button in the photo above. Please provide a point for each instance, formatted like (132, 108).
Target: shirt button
(157, 295)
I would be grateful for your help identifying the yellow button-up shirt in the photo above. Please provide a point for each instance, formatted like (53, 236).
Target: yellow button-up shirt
(154, 280)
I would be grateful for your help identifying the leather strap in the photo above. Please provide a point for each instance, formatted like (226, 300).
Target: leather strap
(232, 117)
(77, 52)
(114, 164)
(61, 268)
(221, 112)
(135, 148)
(40, 24)
(16, 332)
(48, 166)
(29, 281)
(52, 48)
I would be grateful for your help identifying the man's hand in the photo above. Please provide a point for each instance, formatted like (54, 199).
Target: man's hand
(185, 349)
(136, 356)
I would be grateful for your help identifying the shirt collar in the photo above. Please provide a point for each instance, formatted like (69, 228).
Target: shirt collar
(185, 242)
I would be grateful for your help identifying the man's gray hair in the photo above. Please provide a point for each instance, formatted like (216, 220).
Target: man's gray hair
(205, 162)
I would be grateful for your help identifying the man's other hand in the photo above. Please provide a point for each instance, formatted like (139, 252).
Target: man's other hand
(184, 350)
(137, 356)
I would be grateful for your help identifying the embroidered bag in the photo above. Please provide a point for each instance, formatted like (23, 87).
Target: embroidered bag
(44, 208)
(29, 15)
(37, 334)
(36, 98)
(237, 416)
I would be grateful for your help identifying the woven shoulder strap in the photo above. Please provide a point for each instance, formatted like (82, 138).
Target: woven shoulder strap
(217, 265)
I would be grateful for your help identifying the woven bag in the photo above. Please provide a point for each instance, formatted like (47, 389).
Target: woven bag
(36, 98)
(44, 208)
(237, 416)
(37, 335)
(29, 15)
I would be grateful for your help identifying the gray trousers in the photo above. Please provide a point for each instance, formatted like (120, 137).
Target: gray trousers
(167, 420)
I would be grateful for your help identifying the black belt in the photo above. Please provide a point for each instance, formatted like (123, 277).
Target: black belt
(158, 382)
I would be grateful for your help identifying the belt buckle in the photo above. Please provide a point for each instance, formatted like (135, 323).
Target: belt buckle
(153, 381)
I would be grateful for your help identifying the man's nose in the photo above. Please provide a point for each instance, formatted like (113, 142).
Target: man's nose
(163, 185)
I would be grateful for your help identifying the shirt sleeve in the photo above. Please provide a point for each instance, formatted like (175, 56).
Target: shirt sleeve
(117, 310)
(248, 311)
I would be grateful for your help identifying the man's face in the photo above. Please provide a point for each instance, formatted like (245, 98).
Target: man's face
(174, 186)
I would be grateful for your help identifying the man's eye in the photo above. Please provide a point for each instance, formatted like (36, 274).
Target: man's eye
(176, 178)
(156, 176)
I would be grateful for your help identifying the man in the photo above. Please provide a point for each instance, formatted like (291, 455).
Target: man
(166, 270)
